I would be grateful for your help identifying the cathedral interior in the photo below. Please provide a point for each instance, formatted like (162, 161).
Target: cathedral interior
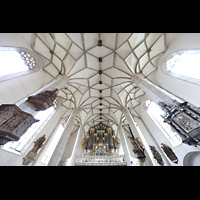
(99, 99)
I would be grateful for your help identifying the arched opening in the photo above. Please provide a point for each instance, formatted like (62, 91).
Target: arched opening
(17, 61)
(184, 65)
(192, 159)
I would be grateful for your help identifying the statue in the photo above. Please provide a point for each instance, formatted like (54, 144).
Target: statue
(30, 157)
(156, 155)
(138, 146)
(169, 152)
(38, 144)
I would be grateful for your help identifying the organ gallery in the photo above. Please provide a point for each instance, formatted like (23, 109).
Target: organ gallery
(100, 140)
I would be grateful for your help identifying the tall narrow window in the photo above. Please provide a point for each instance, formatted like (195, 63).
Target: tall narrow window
(17, 61)
(186, 64)
(155, 113)
(183, 64)
(13, 61)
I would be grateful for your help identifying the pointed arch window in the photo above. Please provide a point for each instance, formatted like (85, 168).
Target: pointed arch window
(183, 64)
(17, 61)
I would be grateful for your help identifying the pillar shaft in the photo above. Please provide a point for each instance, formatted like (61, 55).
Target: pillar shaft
(60, 148)
(155, 93)
(76, 145)
(124, 145)
(182, 117)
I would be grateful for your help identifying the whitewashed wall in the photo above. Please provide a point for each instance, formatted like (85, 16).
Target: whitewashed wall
(184, 90)
(13, 90)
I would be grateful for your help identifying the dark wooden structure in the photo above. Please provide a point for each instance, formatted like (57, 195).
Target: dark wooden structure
(156, 155)
(138, 147)
(169, 152)
(43, 100)
(13, 123)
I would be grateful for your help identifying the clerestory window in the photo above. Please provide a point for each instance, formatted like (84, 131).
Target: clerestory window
(17, 61)
(155, 113)
(183, 64)
(14, 61)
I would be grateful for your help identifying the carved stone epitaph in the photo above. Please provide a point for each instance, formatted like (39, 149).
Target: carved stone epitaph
(184, 119)
(13, 123)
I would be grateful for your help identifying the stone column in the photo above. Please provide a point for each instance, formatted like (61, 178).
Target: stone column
(76, 145)
(145, 136)
(155, 93)
(124, 145)
(60, 148)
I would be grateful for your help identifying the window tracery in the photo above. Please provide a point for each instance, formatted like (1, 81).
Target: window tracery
(183, 64)
(28, 59)
(17, 61)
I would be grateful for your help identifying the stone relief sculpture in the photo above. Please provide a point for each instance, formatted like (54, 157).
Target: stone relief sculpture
(30, 157)
(169, 152)
(184, 119)
(156, 155)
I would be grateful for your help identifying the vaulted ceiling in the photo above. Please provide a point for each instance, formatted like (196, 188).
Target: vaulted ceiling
(100, 76)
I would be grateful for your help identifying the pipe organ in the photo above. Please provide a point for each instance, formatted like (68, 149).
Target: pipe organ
(100, 140)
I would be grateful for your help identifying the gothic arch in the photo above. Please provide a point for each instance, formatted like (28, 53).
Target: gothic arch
(192, 159)
(37, 59)
(176, 75)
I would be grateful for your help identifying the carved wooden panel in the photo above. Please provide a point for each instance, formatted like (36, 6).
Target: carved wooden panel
(43, 100)
(13, 123)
